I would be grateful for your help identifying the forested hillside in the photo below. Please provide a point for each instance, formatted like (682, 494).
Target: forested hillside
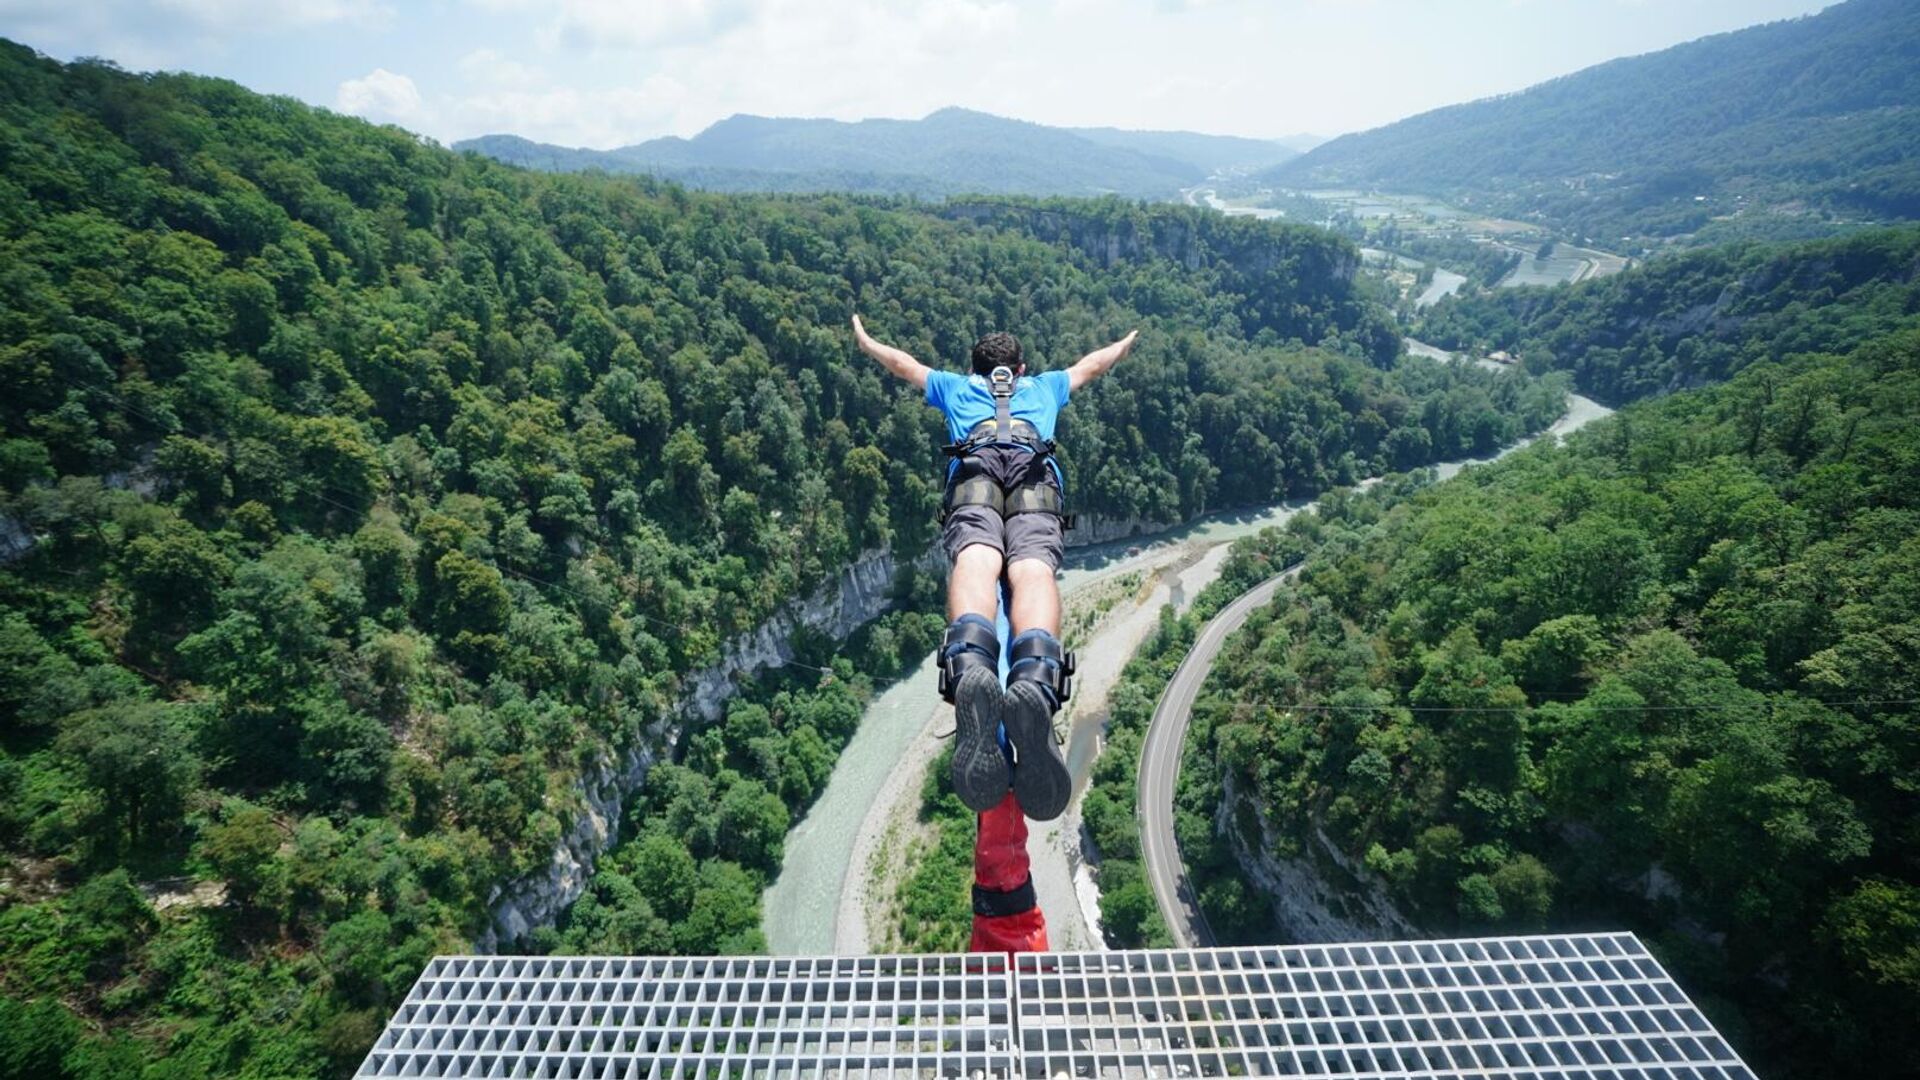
(949, 152)
(1662, 678)
(1813, 118)
(355, 495)
(1697, 317)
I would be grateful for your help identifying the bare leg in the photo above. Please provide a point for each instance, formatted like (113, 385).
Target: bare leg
(1036, 596)
(973, 586)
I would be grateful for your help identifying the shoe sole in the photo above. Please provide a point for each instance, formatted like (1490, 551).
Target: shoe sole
(1040, 778)
(979, 767)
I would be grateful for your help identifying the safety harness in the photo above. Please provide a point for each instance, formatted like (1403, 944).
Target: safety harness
(1038, 497)
(1036, 655)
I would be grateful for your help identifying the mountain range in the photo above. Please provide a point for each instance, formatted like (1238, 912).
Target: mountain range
(947, 152)
(1809, 118)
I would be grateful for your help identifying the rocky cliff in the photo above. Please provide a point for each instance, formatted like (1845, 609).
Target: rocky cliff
(1320, 895)
(836, 609)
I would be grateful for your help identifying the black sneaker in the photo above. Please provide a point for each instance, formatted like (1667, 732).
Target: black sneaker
(979, 768)
(1040, 778)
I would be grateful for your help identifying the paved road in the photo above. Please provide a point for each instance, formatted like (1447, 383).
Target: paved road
(1160, 768)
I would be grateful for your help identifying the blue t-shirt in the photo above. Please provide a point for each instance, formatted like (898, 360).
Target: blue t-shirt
(967, 399)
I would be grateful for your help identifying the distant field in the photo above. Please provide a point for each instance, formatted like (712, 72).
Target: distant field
(1380, 204)
(1422, 214)
(1568, 263)
(1374, 204)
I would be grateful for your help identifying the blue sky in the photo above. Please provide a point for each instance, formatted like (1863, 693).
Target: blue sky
(609, 72)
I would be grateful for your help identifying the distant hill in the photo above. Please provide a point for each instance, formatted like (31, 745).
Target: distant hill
(948, 152)
(1817, 116)
(1209, 152)
(1302, 142)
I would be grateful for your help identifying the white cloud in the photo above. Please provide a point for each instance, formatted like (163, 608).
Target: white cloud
(163, 33)
(489, 67)
(255, 15)
(955, 21)
(628, 24)
(384, 97)
(623, 24)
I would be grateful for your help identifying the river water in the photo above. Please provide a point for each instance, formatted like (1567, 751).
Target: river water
(801, 908)
(1444, 283)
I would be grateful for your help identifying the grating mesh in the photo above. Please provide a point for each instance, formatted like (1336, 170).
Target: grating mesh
(1586, 1006)
(481, 1016)
(1551, 1008)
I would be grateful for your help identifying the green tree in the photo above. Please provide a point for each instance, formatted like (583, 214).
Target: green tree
(138, 757)
(243, 849)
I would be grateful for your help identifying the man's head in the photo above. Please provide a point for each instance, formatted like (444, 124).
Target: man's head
(994, 350)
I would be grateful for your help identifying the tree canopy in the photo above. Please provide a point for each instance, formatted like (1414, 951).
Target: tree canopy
(1661, 677)
(357, 495)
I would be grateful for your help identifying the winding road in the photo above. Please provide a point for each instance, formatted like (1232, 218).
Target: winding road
(1160, 767)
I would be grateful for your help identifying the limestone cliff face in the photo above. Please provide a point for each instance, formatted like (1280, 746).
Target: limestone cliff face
(16, 540)
(517, 907)
(836, 609)
(1321, 895)
(1092, 529)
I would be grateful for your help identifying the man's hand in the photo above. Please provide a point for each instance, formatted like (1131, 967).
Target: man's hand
(894, 360)
(1095, 364)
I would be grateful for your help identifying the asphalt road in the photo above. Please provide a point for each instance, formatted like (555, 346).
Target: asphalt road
(1160, 768)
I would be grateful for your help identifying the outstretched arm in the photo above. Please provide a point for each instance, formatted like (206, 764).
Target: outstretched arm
(1095, 364)
(897, 361)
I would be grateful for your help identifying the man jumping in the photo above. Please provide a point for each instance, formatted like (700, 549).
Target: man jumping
(1002, 513)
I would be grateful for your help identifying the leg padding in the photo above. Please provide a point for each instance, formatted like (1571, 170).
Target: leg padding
(970, 642)
(1037, 656)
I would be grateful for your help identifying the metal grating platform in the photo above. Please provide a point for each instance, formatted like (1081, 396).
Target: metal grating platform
(1589, 1006)
(474, 1016)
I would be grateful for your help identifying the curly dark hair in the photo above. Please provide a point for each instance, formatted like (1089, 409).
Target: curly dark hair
(994, 350)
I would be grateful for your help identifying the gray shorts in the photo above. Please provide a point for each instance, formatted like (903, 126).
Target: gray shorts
(1022, 536)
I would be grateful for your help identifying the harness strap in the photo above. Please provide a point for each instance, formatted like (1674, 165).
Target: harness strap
(1001, 382)
(1003, 430)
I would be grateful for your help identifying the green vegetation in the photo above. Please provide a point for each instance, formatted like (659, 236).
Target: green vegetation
(1809, 119)
(357, 495)
(1662, 677)
(932, 908)
(1697, 317)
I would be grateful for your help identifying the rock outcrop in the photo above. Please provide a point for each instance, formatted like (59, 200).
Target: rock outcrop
(1318, 896)
(838, 608)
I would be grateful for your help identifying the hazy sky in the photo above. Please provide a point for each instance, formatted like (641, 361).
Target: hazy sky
(604, 73)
